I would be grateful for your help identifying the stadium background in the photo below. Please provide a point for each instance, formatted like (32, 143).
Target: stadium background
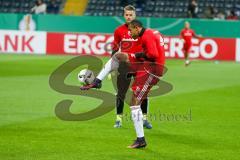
(207, 90)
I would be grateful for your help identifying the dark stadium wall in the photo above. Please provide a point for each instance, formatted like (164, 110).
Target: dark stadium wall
(89, 24)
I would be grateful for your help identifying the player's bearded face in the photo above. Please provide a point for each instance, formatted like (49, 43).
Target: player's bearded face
(129, 16)
(134, 31)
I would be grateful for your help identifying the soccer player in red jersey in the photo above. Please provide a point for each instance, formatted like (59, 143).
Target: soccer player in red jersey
(186, 34)
(123, 42)
(148, 72)
(147, 75)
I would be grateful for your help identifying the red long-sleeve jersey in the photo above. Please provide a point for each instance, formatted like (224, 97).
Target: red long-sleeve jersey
(187, 35)
(124, 41)
(153, 45)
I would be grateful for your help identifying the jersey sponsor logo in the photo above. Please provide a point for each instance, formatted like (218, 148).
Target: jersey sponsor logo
(187, 34)
(129, 40)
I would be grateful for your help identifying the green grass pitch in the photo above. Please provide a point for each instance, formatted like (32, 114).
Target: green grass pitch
(29, 129)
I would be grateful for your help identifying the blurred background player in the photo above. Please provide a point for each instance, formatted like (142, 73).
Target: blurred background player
(186, 34)
(148, 72)
(123, 42)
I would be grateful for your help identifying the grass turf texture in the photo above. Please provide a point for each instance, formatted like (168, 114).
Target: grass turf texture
(29, 128)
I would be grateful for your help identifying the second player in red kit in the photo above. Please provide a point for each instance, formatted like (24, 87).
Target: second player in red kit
(123, 42)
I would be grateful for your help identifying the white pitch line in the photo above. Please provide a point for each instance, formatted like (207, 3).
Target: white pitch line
(119, 20)
(169, 26)
(148, 22)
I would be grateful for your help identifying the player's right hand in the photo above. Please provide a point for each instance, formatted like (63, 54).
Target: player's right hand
(132, 55)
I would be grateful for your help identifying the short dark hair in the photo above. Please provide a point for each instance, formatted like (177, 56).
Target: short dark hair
(129, 8)
(136, 23)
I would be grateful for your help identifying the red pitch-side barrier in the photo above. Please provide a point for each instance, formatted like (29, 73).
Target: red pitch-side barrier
(100, 45)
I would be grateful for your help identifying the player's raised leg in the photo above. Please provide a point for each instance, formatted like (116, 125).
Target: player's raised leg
(111, 65)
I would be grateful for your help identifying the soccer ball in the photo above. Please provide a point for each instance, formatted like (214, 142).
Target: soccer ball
(86, 76)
